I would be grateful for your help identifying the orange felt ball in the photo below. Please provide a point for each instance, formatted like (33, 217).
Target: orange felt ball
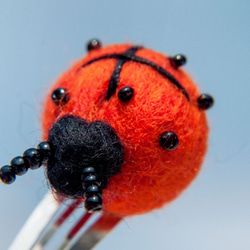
(151, 104)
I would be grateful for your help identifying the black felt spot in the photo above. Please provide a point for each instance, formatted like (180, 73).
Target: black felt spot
(77, 144)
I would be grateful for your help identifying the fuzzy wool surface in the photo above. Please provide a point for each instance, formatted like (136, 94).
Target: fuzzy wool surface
(150, 176)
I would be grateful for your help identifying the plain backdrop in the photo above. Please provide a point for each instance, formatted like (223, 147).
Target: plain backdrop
(40, 39)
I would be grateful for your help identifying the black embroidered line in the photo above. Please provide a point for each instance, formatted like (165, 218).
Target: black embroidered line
(129, 56)
(115, 77)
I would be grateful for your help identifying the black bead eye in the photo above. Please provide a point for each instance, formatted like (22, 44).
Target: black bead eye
(125, 94)
(60, 96)
(178, 60)
(169, 140)
(94, 44)
(205, 101)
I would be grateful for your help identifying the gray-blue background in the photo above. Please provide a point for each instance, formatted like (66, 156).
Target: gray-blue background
(39, 39)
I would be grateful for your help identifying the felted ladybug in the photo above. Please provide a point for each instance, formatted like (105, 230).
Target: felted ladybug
(124, 129)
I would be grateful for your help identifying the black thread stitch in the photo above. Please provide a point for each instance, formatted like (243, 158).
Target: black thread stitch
(129, 56)
(115, 77)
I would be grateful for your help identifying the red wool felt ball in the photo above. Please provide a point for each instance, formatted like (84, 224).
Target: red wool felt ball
(131, 123)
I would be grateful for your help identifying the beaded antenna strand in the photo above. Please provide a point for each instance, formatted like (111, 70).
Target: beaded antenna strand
(34, 158)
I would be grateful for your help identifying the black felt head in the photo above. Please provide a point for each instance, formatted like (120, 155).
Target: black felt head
(77, 144)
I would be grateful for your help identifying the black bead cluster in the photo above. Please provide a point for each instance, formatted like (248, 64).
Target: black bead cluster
(32, 158)
(92, 190)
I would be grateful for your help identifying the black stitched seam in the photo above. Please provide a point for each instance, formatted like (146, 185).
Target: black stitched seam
(130, 56)
(115, 77)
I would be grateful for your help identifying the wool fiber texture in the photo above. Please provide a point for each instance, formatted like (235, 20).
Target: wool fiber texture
(149, 176)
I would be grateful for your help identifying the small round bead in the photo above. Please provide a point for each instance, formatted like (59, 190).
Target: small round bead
(94, 44)
(125, 94)
(18, 165)
(87, 171)
(90, 180)
(44, 151)
(93, 203)
(178, 60)
(91, 190)
(205, 101)
(7, 174)
(60, 96)
(31, 158)
(169, 140)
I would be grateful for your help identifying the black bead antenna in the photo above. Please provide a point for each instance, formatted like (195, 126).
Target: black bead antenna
(33, 158)
(92, 190)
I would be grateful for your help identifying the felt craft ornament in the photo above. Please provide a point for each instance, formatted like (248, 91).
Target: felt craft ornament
(124, 130)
